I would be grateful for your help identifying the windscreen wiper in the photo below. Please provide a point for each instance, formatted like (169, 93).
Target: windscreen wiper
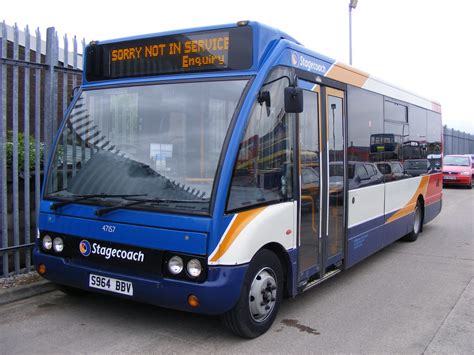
(77, 198)
(102, 211)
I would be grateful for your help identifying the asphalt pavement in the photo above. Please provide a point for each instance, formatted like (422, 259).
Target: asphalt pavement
(409, 298)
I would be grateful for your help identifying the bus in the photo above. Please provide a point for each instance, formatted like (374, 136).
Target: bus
(207, 171)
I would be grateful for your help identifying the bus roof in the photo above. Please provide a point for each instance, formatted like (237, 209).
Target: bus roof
(238, 48)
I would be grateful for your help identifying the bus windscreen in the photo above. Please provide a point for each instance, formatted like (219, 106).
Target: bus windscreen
(223, 49)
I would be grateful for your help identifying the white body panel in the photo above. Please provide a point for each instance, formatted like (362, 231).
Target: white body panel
(368, 204)
(377, 85)
(399, 193)
(276, 223)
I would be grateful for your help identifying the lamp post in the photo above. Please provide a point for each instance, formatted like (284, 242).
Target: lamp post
(352, 5)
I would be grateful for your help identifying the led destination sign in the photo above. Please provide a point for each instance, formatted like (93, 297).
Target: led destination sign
(229, 49)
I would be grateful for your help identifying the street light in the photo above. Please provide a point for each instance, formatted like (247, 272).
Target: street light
(352, 5)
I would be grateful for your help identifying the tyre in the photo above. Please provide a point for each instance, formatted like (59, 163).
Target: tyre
(260, 297)
(417, 223)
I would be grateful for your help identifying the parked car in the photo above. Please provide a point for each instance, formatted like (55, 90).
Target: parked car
(360, 174)
(472, 163)
(392, 170)
(457, 170)
(417, 167)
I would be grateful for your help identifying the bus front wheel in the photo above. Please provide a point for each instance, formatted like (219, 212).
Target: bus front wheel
(260, 297)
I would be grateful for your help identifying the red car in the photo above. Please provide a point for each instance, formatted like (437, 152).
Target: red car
(457, 170)
(472, 164)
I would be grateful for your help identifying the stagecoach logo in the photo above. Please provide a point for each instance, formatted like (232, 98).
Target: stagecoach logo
(107, 253)
(294, 58)
(85, 247)
(308, 63)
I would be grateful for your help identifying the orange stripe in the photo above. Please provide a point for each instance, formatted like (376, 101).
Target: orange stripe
(240, 222)
(410, 206)
(347, 74)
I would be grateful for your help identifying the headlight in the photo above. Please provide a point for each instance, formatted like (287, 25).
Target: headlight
(175, 265)
(47, 242)
(194, 268)
(58, 245)
(465, 173)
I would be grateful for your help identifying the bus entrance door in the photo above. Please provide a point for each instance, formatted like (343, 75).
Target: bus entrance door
(322, 183)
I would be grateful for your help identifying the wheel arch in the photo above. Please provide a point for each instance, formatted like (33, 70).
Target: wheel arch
(286, 264)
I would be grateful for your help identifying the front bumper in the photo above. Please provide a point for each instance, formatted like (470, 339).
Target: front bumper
(459, 180)
(218, 294)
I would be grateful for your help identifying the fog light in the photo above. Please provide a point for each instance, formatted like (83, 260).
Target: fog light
(194, 268)
(58, 244)
(175, 265)
(47, 242)
(41, 269)
(193, 301)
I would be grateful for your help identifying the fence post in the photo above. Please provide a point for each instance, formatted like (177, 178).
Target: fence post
(3, 150)
(26, 160)
(16, 205)
(37, 103)
(50, 95)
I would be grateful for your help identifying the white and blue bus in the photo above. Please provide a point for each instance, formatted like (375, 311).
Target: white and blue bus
(218, 170)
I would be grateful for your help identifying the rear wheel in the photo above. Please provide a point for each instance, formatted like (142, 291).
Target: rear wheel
(417, 223)
(260, 297)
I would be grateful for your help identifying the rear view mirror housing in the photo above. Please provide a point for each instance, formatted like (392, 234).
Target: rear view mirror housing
(293, 99)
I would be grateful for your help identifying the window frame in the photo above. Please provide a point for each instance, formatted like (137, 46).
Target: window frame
(290, 72)
(133, 83)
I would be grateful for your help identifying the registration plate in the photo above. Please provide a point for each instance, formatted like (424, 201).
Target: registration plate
(449, 177)
(110, 284)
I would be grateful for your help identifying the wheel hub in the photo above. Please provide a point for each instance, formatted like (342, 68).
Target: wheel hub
(417, 223)
(262, 295)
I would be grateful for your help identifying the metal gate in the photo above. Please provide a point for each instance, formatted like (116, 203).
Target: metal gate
(37, 79)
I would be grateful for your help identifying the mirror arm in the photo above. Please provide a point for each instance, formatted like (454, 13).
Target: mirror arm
(290, 82)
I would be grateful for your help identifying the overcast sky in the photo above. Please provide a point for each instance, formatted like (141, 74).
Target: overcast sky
(424, 46)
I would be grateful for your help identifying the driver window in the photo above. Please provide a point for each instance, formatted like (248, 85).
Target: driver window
(263, 172)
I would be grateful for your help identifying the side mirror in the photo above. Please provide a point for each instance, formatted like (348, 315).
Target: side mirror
(293, 99)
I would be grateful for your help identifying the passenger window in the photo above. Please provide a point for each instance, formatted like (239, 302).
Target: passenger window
(366, 139)
(395, 111)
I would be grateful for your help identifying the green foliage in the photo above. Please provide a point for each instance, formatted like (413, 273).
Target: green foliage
(21, 151)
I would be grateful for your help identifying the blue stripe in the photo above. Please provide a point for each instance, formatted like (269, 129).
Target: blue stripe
(432, 210)
(366, 226)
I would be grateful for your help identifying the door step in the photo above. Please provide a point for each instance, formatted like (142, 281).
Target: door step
(328, 275)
